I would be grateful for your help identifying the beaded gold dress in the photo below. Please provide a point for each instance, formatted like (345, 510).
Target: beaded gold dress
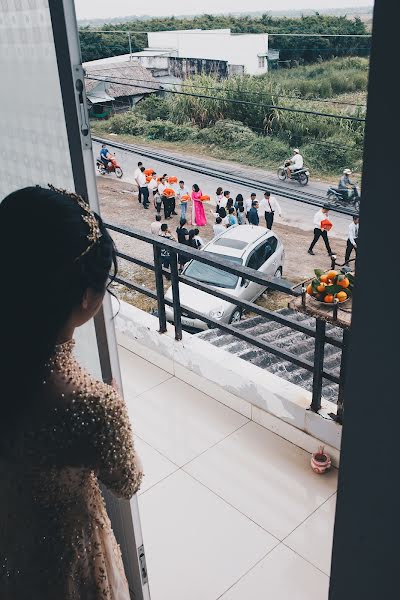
(56, 540)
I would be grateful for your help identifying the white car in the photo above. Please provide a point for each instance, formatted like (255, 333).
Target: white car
(248, 245)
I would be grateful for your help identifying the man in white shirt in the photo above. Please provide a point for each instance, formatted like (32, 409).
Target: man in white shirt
(143, 188)
(164, 199)
(320, 231)
(182, 191)
(268, 206)
(153, 192)
(135, 177)
(352, 239)
(249, 203)
(218, 227)
(296, 162)
(155, 227)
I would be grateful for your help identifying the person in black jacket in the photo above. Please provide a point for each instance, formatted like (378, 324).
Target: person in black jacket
(183, 238)
(252, 216)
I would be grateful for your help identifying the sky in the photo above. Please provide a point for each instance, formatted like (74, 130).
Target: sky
(103, 9)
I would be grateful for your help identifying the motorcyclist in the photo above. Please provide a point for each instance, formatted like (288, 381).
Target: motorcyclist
(105, 155)
(345, 184)
(295, 163)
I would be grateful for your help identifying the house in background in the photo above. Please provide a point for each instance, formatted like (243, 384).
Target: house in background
(246, 53)
(106, 96)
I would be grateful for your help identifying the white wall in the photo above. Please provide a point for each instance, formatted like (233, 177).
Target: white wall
(215, 44)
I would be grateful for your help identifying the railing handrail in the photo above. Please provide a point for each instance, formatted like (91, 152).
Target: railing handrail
(176, 249)
(201, 256)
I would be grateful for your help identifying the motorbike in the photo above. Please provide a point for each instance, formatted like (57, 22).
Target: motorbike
(301, 175)
(342, 197)
(112, 167)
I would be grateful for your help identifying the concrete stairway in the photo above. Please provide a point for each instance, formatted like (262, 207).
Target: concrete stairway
(289, 340)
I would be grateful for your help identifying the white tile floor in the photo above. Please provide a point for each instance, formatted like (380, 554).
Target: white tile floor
(229, 510)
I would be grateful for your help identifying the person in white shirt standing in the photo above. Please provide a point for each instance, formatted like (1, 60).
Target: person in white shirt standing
(153, 192)
(218, 227)
(296, 162)
(135, 177)
(155, 227)
(182, 191)
(248, 203)
(143, 188)
(269, 205)
(352, 239)
(320, 230)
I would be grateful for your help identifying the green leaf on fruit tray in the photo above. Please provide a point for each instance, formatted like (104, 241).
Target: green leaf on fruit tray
(315, 284)
(333, 289)
(350, 277)
(319, 272)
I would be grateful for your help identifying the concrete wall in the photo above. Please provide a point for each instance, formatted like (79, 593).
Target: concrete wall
(215, 44)
(259, 395)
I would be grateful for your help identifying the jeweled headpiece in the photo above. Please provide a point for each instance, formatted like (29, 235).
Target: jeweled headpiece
(89, 217)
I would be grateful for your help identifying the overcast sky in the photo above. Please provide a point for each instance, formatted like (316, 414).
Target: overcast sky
(103, 9)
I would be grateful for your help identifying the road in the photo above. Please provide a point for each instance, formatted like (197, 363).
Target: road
(295, 213)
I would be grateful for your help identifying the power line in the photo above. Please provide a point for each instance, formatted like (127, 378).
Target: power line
(247, 92)
(211, 32)
(234, 101)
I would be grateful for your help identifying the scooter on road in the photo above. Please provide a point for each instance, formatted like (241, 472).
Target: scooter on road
(112, 167)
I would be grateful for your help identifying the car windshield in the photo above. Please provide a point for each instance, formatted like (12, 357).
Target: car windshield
(212, 275)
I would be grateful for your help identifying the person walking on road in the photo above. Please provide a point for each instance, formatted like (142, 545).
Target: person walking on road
(198, 212)
(182, 191)
(269, 205)
(164, 200)
(135, 177)
(143, 188)
(321, 227)
(248, 203)
(352, 240)
(253, 217)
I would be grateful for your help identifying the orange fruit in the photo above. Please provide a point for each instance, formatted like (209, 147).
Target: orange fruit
(321, 287)
(329, 298)
(344, 283)
(309, 290)
(332, 274)
(341, 296)
(324, 278)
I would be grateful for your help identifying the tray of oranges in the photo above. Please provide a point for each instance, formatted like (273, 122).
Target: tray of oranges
(330, 285)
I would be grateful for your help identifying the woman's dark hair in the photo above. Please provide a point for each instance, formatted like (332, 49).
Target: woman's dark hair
(222, 212)
(231, 210)
(196, 231)
(239, 198)
(192, 233)
(218, 220)
(219, 191)
(42, 240)
(241, 208)
(196, 187)
(226, 193)
(229, 203)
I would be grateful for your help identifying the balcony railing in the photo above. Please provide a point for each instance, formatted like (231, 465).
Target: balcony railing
(321, 338)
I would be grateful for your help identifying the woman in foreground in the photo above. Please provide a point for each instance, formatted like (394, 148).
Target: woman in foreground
(61, 431)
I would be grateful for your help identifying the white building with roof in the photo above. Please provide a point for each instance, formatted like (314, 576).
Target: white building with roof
(249, 50)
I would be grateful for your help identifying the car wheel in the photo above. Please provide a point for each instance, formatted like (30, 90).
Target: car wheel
(236, 316)
(278, 273)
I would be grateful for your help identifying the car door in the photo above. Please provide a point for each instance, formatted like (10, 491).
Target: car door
(263, 259)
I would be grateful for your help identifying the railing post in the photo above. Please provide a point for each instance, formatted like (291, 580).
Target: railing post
(320, 327)
(175, 295)
(343, 373)
(162, 318)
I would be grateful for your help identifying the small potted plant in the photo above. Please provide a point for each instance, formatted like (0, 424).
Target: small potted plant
(320, 461)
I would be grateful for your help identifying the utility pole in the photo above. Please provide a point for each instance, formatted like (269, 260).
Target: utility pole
(130, 45)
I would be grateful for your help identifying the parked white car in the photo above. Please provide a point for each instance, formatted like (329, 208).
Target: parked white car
(247, 245)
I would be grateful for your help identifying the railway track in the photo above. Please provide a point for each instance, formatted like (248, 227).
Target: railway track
(227, 174)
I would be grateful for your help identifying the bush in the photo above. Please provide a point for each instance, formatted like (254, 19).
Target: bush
(153, 107)
(166, 130)
(333, 155)
(127, 123)
(269, 149)
(233, 133)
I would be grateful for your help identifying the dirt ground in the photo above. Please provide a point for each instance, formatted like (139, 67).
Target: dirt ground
(119, 205)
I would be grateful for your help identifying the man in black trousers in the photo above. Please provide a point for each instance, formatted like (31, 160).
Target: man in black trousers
(320, 231)
(352, 239)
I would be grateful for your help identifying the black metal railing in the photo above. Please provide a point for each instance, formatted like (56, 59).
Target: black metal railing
(321, 338)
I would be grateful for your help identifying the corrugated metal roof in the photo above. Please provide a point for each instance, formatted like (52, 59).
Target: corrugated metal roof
(107, 77)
